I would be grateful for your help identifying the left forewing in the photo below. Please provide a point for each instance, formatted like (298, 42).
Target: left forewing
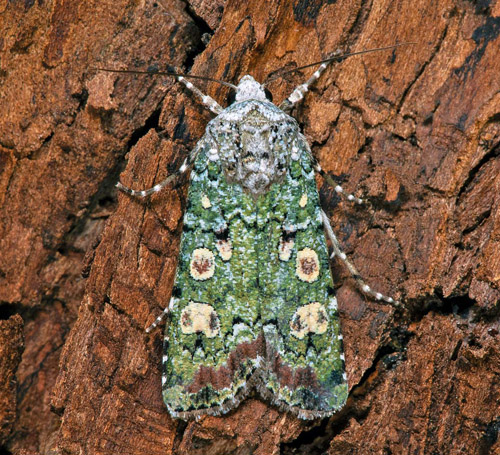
(213, 343)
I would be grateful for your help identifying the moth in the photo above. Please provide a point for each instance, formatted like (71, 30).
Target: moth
(253, 307)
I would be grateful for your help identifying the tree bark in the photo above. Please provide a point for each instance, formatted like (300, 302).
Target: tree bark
(415, 131)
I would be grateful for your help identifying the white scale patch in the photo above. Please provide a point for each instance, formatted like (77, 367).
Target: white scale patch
(311, 318)
(200, 318)
(307, 265)
(213, 154)
(202, 266)
(332, 303)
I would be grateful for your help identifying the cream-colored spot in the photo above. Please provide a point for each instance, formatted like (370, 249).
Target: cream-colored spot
(311, 318)
(200, 318)
(225, 249)
(205, 202)
(202, 266)
(285, 249)
(307, 265)
(303, 200)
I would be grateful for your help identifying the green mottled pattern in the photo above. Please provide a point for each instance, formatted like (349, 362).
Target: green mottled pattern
(232, 291)
(282, 292)
(254, 293)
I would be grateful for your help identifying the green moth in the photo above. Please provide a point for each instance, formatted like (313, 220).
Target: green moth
(253, 307)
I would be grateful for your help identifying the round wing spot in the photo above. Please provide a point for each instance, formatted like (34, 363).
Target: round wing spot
(200, 318)
(310, 318)
(307, 265)
(303, 200)
(205, 202)
(202, 266)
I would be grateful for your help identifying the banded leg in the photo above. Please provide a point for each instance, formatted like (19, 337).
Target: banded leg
(207, 101)
(337, 251)
(328, 179)
(164, 313)
(188, 162)
(298, 94)
(301, 90)
(287, 105)
(338, 189)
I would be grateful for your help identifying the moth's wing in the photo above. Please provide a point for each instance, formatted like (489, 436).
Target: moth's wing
(213, 341)
(299, 309)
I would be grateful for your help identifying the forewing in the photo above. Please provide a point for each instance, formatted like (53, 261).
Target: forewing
(213, 341)
(299, 309)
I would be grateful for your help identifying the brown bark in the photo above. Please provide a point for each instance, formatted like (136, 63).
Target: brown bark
(417, 131)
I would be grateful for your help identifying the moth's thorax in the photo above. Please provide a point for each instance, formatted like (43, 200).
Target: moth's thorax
(249, 89)
(254, 141)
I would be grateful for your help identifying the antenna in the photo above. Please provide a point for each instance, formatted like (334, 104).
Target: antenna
(338, 57)
(167, 73)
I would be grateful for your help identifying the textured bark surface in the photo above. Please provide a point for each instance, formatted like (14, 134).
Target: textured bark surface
(417, 131)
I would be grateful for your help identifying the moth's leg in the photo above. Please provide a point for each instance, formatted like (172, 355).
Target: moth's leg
(165, 311)
(298, 94)
(207, 101)
(188, 162)
(337, 251)
(338, 189)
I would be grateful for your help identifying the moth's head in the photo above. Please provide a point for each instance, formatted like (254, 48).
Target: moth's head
(250, 89)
